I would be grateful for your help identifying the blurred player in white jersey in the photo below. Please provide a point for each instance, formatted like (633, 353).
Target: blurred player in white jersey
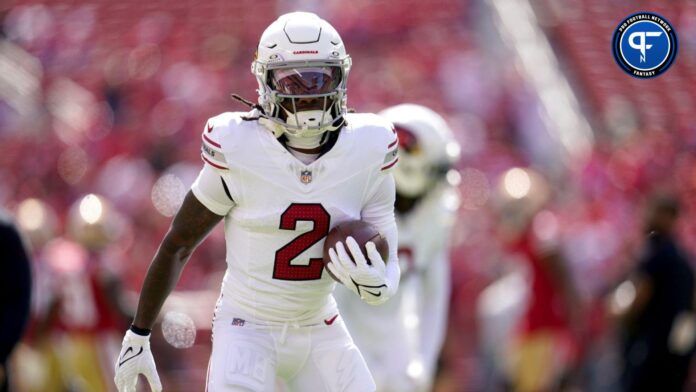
(281, 175)
(401, 340)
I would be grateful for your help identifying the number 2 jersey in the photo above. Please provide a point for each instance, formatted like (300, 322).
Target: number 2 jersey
(278, 211)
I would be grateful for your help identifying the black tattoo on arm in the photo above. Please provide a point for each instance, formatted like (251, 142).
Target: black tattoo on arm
(190, 226)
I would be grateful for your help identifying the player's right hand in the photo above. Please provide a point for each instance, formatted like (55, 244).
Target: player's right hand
(135, 358)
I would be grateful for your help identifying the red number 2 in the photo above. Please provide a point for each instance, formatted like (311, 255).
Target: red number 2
(283, 268)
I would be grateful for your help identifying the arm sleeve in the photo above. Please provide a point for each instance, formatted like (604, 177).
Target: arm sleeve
(210, 189)
(433, 317)
(379, 211)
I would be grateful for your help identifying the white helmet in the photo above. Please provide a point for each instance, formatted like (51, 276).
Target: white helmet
(301, 57)
(427, 148)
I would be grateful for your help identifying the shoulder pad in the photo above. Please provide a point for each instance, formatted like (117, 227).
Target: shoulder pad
(379, 135)
(216, 134)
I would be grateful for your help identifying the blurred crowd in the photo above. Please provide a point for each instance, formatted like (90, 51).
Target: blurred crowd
(102, 103)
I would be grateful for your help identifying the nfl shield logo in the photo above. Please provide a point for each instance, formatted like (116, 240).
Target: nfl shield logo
(306, 176)
(238, 322)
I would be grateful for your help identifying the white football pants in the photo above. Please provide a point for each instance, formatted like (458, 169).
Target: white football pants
(249, 357)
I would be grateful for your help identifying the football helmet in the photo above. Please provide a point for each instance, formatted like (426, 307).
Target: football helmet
(302, 68)
(427, 148)
(520, 194)
(94, 222)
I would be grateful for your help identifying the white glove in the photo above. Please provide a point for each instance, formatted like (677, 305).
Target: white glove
(369, 282)
(135, 358)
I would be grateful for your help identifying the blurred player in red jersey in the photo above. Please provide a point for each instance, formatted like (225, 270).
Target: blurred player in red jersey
(544, 349)
(79, 304)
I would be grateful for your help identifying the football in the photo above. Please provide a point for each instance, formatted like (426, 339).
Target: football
(362, 232)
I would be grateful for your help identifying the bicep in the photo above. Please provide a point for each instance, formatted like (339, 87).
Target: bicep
(379, 211)
(379, 207)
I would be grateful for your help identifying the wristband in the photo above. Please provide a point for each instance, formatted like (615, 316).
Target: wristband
(140, 331)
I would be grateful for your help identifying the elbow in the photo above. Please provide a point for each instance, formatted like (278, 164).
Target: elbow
(179, 250)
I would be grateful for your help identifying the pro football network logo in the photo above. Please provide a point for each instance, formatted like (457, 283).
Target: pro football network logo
(644, 45)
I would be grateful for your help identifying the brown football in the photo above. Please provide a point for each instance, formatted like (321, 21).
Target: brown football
(362, 232)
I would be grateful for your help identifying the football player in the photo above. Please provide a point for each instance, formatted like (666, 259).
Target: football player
(281, 175)
(404, 358)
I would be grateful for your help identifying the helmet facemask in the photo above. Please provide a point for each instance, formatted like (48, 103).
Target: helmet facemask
(306, 98)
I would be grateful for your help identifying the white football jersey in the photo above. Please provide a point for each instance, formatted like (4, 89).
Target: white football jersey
(401, 339)
(278, 211)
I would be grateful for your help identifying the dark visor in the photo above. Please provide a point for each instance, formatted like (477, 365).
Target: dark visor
(305, 81)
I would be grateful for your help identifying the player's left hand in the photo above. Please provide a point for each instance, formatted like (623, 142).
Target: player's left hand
(369, 282)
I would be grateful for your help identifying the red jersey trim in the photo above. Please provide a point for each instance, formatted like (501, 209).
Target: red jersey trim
(211, 142)
(390, 165)
(212, 164)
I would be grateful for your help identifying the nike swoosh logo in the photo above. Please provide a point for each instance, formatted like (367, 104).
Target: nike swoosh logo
(379, 293)
(364, 287)
(129, 358)
(210, 128)
(331, 320)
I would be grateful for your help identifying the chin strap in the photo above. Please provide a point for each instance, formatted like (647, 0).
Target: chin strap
(276, 129)
(247, 102)
(257, 113)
